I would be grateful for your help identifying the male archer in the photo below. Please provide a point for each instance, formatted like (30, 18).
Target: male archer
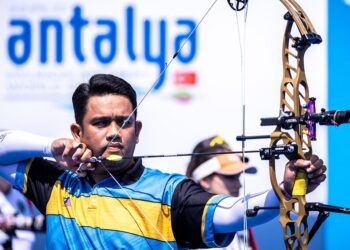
(123, 204)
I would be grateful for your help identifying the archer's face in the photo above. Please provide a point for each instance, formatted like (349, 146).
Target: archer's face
(104, 118)
(222, 184)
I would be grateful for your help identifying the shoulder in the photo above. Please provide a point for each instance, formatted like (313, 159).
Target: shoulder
(159, 176)
(47, 171)
(159, 184)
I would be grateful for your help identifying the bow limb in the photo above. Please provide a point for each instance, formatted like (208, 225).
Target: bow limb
(294, 99)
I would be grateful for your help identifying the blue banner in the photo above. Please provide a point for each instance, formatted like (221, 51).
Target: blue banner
(337, 226)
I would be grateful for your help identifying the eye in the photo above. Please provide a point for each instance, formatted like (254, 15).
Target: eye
(101, 123)
(124, 122)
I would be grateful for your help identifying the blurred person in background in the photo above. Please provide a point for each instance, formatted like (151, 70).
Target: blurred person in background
(15, 209)
(220, 174)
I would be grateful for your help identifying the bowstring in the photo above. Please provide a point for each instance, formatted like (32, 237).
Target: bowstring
(125, 122)
(241, 32)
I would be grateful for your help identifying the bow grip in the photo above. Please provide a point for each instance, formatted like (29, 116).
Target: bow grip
(300, 184)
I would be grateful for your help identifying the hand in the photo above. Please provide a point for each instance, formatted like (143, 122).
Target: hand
(69, 153)
(314, 169)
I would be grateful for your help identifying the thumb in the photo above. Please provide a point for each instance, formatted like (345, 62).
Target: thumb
(300, 164)
(58, 146)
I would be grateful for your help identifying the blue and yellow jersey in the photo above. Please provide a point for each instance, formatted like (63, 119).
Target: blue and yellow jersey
(146, 209)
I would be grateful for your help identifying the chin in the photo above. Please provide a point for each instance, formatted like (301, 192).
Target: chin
(234, 194)
(117, 166)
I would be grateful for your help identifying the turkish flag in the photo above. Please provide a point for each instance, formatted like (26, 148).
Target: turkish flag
(186, 78)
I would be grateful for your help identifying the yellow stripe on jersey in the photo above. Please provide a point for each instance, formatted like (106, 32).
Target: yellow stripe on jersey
(203, 225)
(110, 213)
(26, 175)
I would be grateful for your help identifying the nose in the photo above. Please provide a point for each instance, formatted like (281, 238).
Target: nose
(113, 138)
(113, 133)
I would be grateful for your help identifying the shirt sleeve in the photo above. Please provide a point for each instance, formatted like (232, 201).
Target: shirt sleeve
(16, 146)
(192, 216)
(35, 179)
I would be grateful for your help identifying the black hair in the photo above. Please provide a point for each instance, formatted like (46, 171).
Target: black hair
(100, 85)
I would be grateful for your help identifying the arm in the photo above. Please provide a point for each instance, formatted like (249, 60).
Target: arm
(16, 146)
(229, 215)
(22, 163)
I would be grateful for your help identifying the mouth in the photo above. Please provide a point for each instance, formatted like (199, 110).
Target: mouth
(115, 148)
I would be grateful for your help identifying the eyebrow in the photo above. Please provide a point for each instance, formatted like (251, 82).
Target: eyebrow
(118, 117)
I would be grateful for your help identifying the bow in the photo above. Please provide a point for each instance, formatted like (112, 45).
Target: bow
(295, 100)
(297, 113)
(296, 108)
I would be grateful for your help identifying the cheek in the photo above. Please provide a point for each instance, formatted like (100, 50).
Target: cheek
(129, 140)
(218, 185)
(94, 139)
(129, 136)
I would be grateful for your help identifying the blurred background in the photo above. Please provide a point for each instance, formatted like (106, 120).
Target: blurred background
(49, 47)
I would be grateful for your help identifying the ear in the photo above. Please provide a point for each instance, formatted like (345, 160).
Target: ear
(138, 127)
(205, 183)
(76, 131)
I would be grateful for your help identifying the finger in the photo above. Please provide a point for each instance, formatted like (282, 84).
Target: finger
(70, 147)
(85, 158)
(86, 155)
(90, 167)
(318, 172)
(80, 171)
(318, 164)
(293, 165)
(77, 150)
(82, 167)
(66, 151)
(314, 158)
(319, 179)
(77, 145)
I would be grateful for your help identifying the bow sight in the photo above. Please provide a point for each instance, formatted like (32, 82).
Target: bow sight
(330, 118)
(287, 120)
